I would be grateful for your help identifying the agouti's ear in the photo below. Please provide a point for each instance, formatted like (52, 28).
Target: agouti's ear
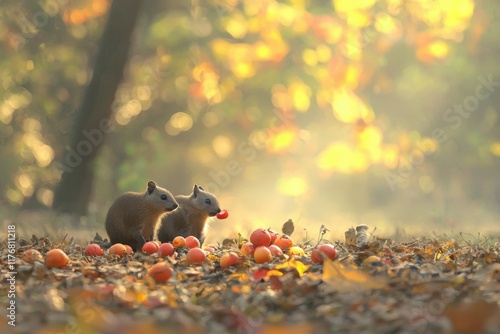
(151, 187)
(196, 190)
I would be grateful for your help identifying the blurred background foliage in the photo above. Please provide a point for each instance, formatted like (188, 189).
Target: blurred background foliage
(328, 112)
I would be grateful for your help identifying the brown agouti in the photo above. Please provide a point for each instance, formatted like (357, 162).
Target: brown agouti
(133, 217)
(190, 217)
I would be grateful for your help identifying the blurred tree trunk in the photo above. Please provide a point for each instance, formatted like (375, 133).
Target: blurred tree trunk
(92, 120)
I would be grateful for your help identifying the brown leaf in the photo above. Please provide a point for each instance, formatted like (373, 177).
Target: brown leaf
(288, 227)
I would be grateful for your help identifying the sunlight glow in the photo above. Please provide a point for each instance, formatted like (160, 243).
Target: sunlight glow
(292, 186)
(223, 146)
(281, 141)
(349, 108)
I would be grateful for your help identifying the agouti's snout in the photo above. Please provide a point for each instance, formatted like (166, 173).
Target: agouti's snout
(215, 212)
(172, 207)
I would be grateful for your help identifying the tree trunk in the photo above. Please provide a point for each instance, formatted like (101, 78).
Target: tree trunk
(92, 120)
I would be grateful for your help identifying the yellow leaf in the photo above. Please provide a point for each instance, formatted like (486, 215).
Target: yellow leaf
(300, 267)
(344, 277)
(274, 272)
(239, 276)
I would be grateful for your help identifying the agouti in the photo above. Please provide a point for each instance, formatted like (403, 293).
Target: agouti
(133, 217)
(190, 217)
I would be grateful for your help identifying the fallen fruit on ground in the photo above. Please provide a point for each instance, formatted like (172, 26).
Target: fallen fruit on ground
(150, 247)
(275, 250)
(209, 249)
(30, 255)
(273, 235)
(179, 241)
(323, 251)
(118, 249)
(166, 249)
(262, 254)
(283, 241)
(56, 258)
(260, 237)
(93, 250)
(247, 249)
(196, 255)
(192, 242)
(229, 259)
(161, 272)
(128, 249)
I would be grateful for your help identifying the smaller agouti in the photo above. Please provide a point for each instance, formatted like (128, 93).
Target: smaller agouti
(191, 216)
(133, 217)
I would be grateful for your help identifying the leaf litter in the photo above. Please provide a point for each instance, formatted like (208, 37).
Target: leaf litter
(374, 286)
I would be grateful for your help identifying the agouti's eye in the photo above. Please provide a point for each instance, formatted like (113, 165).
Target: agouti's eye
(163, 196)
(207, 201)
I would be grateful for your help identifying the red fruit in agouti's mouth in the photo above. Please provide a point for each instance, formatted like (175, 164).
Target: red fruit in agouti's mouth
(223, 214)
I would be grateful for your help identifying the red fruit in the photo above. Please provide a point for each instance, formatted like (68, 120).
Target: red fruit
(262, 254)
(161, 272)
(192, 242)
(247, 248)
(260, 237)
(150, 247)
(229, 259)
(223, 214)
(196, 255)
(166, 249)
(260, 274)
(283, 241)
(323, 251)
(275, 250)
(93, 250)
(209, 249)
(273, 235)
(56, 258)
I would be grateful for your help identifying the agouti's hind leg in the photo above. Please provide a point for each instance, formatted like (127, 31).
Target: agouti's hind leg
(139, 237)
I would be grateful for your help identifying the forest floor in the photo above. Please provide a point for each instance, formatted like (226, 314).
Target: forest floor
(421, 285)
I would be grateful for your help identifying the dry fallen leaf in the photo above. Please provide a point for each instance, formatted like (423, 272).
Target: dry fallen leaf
(288, 227)
(345, 277)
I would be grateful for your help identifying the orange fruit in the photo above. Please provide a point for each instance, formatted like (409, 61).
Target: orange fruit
(161, 272)
(262, 254)
(179, 241)
(56, 258)
(118, 249)
(30, 255)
